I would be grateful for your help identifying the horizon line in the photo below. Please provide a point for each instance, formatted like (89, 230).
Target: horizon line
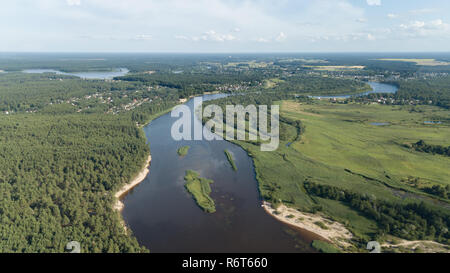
(222, 52)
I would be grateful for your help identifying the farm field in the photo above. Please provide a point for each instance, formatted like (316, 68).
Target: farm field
(335, 67)
(423, 62)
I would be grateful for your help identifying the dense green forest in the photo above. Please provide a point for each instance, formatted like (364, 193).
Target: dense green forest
(314, 85)
(60, 167)
(56, 180)
(409, 221)
(436, 91)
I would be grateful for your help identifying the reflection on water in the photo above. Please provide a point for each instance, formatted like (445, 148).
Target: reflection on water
(432, 122)
(165, 218)
(377, 87)
(102, 75)
(380, 123)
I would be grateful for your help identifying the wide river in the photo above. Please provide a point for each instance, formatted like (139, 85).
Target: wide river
(165, 218)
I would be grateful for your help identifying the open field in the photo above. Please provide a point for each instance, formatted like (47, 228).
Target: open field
(423, 62)
(344, 136)
(250, 64)
(335, 67)
(340, 147)
(271, 83)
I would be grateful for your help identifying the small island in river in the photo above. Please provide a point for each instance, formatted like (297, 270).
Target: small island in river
(231, 160)
(183, 151)
(200, 189)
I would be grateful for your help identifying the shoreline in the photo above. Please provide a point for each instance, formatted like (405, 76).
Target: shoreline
(336, 233)
(131, 185)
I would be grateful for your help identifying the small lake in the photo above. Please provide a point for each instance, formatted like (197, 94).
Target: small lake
(377, 87)
(165, 218)
(101, 75)
(432, 122)
(380, 123)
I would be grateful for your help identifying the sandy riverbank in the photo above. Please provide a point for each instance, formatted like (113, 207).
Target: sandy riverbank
(412, 246)
(334, 232)
(136, 181)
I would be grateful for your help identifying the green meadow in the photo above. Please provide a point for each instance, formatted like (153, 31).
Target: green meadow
(341, 147)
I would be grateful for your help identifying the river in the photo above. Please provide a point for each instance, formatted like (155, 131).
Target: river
(101, 75)
(165, 218)
(377, 87)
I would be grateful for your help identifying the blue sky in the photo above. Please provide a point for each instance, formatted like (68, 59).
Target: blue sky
(224, 25)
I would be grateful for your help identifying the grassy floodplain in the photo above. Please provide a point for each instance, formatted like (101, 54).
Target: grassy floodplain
(200, 189)
(324, 247)
(344, 136)
(183, 151)
(337, 146)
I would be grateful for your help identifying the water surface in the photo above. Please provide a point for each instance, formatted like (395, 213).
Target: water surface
(432, 122)
(102, 75)
(377, 87)
(165, 218)
(380, 123)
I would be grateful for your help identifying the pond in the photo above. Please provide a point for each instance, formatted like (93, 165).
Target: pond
(377, 87)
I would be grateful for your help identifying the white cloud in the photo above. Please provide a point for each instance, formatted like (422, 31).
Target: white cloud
(374, 2)
(144, 37)
(235, 25)
(361, 20)
(436, 28)
(423, 11)
(73, 2)
(181, 37)
(281, 37)
(392, 16)
(437, 22)
(262, 40)
(210, 35)
(418, 24)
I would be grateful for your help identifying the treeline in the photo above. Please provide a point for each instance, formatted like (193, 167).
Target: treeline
(59, 169)
(189, 84)
(30, 92)
(414, 221)
(297, 124)
(428, 91)
(263, 98)
(421, 146)
(438, 190)
(57, 178)
(417, 92)
(315, 85)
